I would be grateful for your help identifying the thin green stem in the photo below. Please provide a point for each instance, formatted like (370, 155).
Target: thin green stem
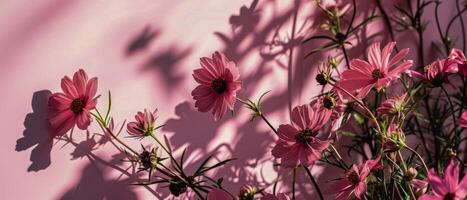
(267, 122)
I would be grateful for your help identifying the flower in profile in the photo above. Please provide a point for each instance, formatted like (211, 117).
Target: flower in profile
(420, 187)
(447, 187)
(336, 105)
(437, 72)
(73, 105)
(219, 194)
(458, 56)
(219, 82)
(462, 121)
(377, 73)
(144, 124)
(354, 181)
(298, 141)
(247, 192)
(280, 196)
(392, 107)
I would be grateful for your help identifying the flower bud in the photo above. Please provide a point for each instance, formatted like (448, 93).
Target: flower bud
(410, 174)
(247, 193)
(177, 187)
(321, 79)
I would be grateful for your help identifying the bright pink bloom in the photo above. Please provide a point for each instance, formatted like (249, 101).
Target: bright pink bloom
(462, 121)
(392, 107)
(73, 105)
(377, 73)
(144, 124)
(336, 105)
(437, 72)
(298, 142)
(458, 56)
(447, 187)
(219, 194)
(219, 82)
(280, 196)
(354, 181)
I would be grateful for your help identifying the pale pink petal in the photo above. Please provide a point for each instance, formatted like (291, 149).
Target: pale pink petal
(91, 88)
(398, 57)
(374, 55)
(438, 186)
(59, 101)
(403, 67)
(63, 127)
(290, 159)
(208, 64)
(361, 66)
(429, 197)
(69, 88)
(287, 132)
(219, 108)
(280, 149)
(202, 76)
(79, 80)
(386, 53)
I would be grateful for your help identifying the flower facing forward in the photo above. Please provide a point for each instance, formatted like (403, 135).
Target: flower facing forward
(218, 194)
(448, 187)
(219, 82)
(378, 72)
(298, 142)
(462, 121)
(458, 56)
(144, 124)
(280, 196)
(73, 105)
(354, 181)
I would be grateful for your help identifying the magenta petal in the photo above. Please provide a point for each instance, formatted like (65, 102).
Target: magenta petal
(69, 88)
(91, 88)
(287, 132)
(83, 120)
(79, 80)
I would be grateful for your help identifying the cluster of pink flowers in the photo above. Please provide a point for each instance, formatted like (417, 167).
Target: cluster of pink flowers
(428, 104)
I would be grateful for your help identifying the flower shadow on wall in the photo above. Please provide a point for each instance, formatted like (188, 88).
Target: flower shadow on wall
(36, 133)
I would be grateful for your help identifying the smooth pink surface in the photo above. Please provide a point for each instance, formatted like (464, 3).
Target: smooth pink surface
(41, 41)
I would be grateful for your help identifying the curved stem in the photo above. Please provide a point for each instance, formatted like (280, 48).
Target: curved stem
(462, 26)
(453, 114)
(404, 167)
(419, 157)
(121, 142)
(315, 184)
(360, 103)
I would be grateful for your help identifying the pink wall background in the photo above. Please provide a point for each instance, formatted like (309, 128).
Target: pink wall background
(144, 51)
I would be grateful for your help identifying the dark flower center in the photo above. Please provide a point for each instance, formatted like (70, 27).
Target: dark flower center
(449, 196)
(177, 187)
(377, 74)
(321, 79)
(353, 177)
(329, 102)
(437, 81)
(304, 136)
(77, 106)
(219, 85)
(146, 160)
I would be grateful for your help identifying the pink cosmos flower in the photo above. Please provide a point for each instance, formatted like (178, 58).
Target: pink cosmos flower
(392, 107)
(336, 105)
(73, 105)
(354, 181)
(297, 141)
(218, 194)
(458, 56)
(219, 82)
(437, 72)
(144, 124)
(447, 187)
(280, 196)
(377, 73)
(462, 121)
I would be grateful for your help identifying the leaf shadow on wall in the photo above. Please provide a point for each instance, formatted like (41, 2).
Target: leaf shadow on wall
(36, 133)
